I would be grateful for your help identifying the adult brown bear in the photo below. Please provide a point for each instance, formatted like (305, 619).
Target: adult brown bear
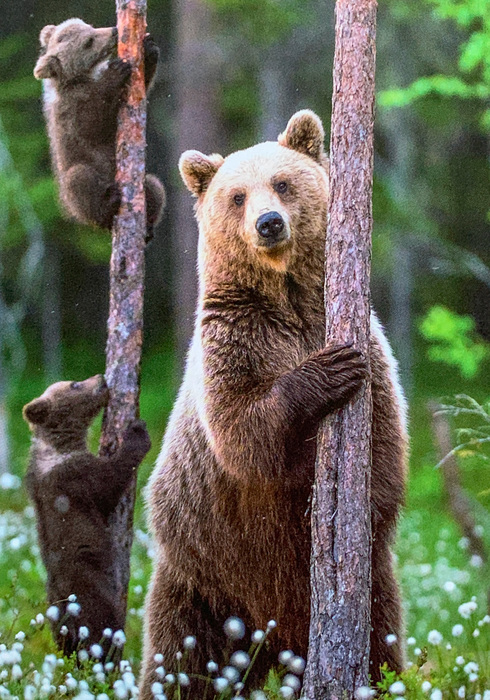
(229, 497)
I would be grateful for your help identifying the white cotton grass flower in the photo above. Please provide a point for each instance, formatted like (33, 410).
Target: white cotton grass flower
(63, 630)
(258, 695)
(286, 692)
(62, 689)
(436, 694)
(119, 639)
(73, 609)
(426, 686)
(417, 651)
(240, 660)
(96, 651)
(107, 633)
(297, 665)
(220, 684)
(16, 672)
(83, 633)
(449, 586)
(292, 681)
(30, 692)
(160, 671)
(457, 630)
(231, 674)
(156, 688)
(72, 598)
(170, 678)
(183, 680)
(364, 693)
(471, 667)
(467, 609)
(102, 696)
(462, 692)
(20, 636)
(53, 613)
(39, 619)
(390, 639)
(190, 642)
(157, 658)
(271, 625)
(120, 690)
(109, 666)
(258, 636)
(212, 667)
(83, 655)
(285, 656)
(486, 695)
(411, 641)
(398, 688)
(434, 637)
(460, 660)
(234, 628)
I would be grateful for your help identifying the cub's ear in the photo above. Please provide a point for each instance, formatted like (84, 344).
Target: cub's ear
(47, 67)
(197, 170)
(304, 133)
(37, 411)
(46, 34)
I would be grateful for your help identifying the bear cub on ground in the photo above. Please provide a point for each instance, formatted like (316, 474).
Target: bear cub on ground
(84, 82)
(74, 493)
(230, 494)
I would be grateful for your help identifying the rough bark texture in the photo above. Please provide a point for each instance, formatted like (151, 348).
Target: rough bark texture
(125, 323)
(341, 524)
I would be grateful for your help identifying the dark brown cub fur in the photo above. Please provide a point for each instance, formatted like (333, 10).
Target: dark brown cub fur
(83, 85)
(74, 493)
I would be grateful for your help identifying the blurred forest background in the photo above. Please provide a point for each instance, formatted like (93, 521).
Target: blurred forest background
(231, 74)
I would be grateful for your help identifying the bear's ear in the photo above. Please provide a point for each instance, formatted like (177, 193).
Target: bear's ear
(46, 34)
(47, 67)
(197, 170)
(37, 411)
(304, 133)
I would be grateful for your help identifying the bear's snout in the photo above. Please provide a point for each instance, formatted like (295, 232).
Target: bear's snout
(270, 227)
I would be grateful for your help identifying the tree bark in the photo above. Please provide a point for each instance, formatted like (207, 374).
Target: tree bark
(338, 658)
(125, 323)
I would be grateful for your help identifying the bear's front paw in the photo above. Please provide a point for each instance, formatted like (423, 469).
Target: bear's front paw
(136, 437)
(109, 206)
(342, 370)
(119, 71)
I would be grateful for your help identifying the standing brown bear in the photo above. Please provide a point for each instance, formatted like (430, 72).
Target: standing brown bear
(84, 82)
(229, 497)
(74, 493)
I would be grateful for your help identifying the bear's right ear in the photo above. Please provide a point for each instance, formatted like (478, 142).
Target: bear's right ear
(46, 34)
(36, 412)
(47, 67)
(304, 133)
(197, 170)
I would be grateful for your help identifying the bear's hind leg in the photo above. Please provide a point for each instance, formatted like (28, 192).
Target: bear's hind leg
(88, 198)
(174, 610)
(386, 613)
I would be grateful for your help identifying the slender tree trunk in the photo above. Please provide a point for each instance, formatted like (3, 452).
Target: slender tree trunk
(338, 659)
(125, 324)
(196, 123)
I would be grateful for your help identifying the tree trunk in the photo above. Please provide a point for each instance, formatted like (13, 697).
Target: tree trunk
(125, 323)
(338, 659)
(196, 123)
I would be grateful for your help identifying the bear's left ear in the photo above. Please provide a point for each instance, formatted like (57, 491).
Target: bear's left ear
(37, 411)
(304, 133)
(197, 170)
(46, 34)
(47, 67)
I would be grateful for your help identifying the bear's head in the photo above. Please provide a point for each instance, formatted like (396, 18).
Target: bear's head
(62, 415)
(266, 205)
(73, 49)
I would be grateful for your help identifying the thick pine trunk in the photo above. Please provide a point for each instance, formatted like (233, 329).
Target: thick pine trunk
(338, 659)
(125, 323)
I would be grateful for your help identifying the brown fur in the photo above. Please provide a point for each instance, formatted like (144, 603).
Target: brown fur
(83, 86)
(229, 497)
(74, 493)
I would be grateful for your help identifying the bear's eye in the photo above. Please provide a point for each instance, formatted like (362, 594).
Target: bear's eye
(281, 187)
(75, 385)
(88, 44)
(239, 199)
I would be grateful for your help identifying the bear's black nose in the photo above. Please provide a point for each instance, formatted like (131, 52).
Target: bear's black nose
(270, 225)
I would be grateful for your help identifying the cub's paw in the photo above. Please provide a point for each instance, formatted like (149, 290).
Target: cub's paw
(136, 437)
(338, 372)
(151, 54)
(119, 71)
(109, 206)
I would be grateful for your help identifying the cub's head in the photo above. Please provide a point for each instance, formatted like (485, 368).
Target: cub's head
(66, 409)
(73, 49)
(268, 202)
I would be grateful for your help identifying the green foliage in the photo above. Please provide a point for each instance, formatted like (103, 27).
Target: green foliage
(472, 425)
(453, 340)
(473, 81)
